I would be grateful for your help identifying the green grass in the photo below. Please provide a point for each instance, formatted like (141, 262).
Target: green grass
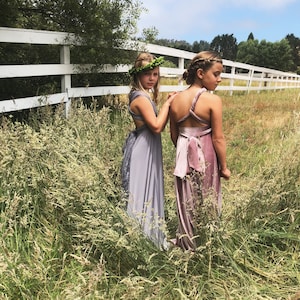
(65, 234)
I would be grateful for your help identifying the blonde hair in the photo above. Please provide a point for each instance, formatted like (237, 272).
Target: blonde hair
(142, 60)
(203, 60)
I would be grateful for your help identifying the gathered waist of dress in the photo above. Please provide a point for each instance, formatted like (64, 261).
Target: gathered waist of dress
(138, 130)
(194, 131)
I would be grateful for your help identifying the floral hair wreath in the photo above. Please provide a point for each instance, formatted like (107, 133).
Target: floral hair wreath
(153, 64)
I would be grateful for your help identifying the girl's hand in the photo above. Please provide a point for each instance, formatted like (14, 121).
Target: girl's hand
(171, 97)
(225, 174)
(171, 94)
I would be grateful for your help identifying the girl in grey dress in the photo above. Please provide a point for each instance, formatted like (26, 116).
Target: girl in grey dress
(142, 166)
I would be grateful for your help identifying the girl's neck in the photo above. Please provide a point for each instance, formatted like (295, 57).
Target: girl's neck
(197, 85)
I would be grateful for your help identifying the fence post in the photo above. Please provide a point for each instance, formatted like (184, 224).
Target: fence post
(250, 78)
(65, 79)
(276, 82)
(181, 66)
(261, 82)
(231, 84)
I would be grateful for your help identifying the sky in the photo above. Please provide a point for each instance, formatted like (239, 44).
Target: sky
(195, 20)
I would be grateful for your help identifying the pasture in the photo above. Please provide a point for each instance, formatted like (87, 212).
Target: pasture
(65, 234)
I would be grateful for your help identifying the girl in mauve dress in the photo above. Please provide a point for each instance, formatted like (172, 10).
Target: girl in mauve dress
(196, 131)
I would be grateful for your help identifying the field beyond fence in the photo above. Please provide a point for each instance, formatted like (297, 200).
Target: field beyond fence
(65, 233)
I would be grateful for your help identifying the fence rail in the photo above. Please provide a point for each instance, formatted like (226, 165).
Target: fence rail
(239, 76)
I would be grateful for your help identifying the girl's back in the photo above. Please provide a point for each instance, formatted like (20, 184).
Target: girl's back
(183, 102)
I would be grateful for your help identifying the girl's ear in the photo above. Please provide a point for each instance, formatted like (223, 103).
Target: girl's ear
(200, 73)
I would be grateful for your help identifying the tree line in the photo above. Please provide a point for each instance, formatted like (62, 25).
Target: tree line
(104, 27)
(283, 55)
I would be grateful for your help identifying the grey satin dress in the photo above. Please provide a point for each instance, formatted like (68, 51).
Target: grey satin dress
(142, 178)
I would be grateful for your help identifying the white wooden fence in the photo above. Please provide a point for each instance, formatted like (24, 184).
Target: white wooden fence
(242, 77)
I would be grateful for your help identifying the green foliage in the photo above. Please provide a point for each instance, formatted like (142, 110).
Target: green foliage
(226, 45)
(276, 55)
(103, 27)
(200, 46)
(279, 55)
(150, 34)
(95, 21)
(28, 54)
(250, 36)
(8, 13)
(295, 46)
(65, 233)
(248, 52)
(177, 44)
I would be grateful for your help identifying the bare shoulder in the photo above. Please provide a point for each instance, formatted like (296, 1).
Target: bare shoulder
(211, 96)
(212, 99)
(178, 99)
(178, 96)
(140, 105)
(140, 100)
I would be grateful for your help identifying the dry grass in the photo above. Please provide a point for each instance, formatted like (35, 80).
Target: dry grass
(65, 234)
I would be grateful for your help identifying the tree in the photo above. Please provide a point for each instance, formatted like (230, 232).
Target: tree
(177, 44)
(248, 52)
(281, 56)
(250, 36)
(102, 26)
(276, 55)
(149, 35)
(8, 13)
(226, 45)
(294, 43)
(200, 46)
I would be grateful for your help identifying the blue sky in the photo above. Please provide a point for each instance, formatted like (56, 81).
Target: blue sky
(195, 20)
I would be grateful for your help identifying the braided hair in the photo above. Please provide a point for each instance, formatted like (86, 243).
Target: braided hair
(203, 60)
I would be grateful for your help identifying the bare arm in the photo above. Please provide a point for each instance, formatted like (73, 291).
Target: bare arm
(173, 130)
(218, 138)
(155, 123)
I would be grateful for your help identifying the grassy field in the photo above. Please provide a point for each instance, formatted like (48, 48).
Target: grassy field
(65, 234)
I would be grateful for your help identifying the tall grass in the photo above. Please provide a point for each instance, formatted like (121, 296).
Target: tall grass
(65, 233)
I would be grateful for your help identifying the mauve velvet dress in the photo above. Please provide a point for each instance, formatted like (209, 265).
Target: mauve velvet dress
(196, 176)
(142, 178)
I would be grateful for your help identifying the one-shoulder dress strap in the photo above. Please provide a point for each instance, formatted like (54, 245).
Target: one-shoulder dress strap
(196, 98)
(134, 94)
(191, 111)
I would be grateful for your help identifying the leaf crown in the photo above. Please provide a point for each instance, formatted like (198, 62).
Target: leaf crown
(150, 66)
